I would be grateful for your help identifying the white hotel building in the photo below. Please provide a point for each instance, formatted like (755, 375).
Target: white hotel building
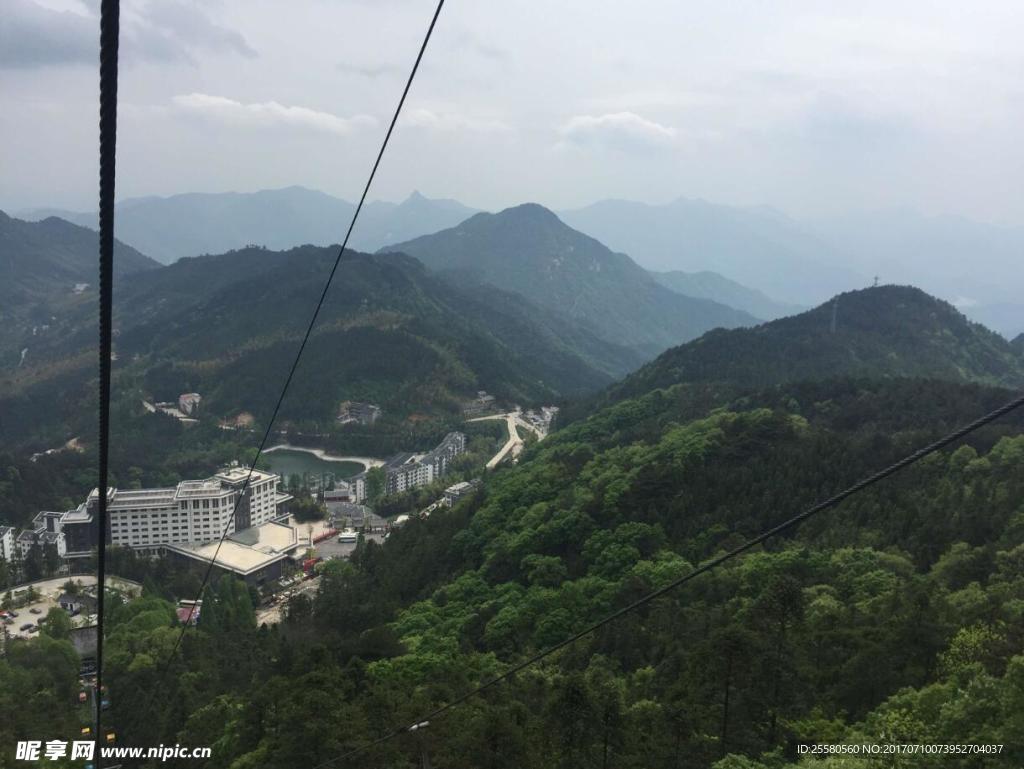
(192, 511)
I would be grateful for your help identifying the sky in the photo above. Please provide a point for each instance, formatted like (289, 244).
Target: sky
(814, 108)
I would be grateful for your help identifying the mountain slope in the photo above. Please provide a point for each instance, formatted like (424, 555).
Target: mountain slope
(888, 331)
(973, 264)
(527, 249)
(41, 263)
(190, 224)
(390, 332)
(717, 288)
(52, 255)
(757, 247)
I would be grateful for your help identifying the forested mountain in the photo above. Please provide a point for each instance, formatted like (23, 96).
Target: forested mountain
(758, 247)
(974, 264)
(888, 331)
(45, 257)
(191, 224)
(46, 267)
(711, 285)
(891, 619)
(527, 249)
(894, 618)
(228, 327)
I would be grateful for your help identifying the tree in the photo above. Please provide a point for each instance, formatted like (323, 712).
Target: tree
(51, 559)
(306, 508)
(33, 563)
(376, 480)
(57, 624)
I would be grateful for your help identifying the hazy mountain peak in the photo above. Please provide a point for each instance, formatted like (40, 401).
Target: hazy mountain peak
(530, 250)
(195, 223)
(531, 212)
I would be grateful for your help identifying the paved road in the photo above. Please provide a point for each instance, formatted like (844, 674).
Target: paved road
(271, 615)
(332, 548)
(514, 444)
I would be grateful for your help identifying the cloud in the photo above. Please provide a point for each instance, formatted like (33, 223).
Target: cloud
(467, 41)
(32, 36)
(451, 121)
(369, 71)
(615, 130)
(177, 28)
(269, 113)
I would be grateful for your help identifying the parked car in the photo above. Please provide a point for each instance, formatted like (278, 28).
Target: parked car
(13, 613)
(27, 626)
(35, 610)
(8, 621)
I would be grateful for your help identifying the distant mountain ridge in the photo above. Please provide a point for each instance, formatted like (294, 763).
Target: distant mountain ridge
(717, 288)
(529, 250)
(190, 224)
(886, 332)
(757, 247)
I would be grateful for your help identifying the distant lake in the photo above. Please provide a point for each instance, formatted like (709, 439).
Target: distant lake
(288, 462)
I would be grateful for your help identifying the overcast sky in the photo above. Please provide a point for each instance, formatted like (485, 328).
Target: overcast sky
(794, 104)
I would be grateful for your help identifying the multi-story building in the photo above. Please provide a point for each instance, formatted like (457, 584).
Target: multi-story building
(144, 519)
(192, 511)
(354, 412)
(188, 403)
(45, 531)
(7, 543)
(342, 492)
(407, 471)
(454, 494)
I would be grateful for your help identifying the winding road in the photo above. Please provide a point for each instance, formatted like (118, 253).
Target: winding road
(514, 444)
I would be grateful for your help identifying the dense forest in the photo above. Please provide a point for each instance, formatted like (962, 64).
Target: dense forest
(895, 618)
(228, 326)
(885, 331)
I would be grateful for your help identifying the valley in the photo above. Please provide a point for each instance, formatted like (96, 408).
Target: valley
(526, 431)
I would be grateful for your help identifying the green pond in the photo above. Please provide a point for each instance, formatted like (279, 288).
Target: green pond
(288, 462)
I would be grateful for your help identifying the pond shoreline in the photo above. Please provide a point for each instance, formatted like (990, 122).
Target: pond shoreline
(366, 462)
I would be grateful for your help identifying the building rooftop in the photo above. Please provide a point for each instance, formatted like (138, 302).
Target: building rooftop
(245, 551)
(397, 460)
(239, 474)
(79, 515)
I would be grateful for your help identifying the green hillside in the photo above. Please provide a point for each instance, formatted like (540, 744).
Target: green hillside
(888, 331)
(895, 618)
(41, 264)
(528, 250)
(897, 614)
(228, 327)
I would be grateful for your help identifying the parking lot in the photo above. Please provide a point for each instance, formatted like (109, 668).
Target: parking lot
(332, 548)
(49, 591)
